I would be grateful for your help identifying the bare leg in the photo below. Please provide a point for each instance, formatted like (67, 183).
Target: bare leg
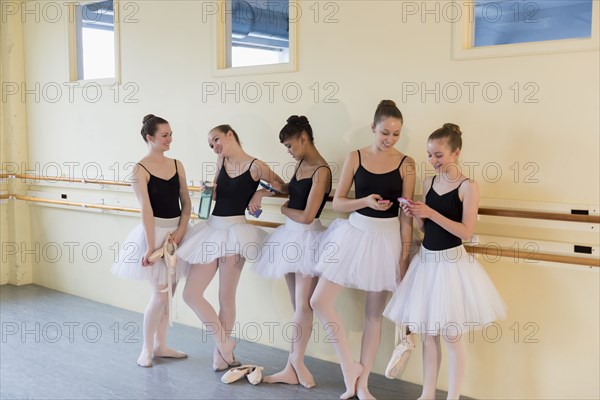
(230, 270)
(374, 307)
(152, 318)
(198, 280)
(432, 358)
(322, 302)
(287, 375)
(296, 370)
(303, 320)
(290, 280)
(456, 360)
(160, 337)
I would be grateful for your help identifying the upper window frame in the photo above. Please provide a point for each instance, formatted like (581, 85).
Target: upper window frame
(73, 73)
(463, 47)
(222, 41)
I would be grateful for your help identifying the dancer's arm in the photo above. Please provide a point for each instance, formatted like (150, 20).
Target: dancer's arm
(140, 188)
(321, 182)
(407, 171)
(186, 205)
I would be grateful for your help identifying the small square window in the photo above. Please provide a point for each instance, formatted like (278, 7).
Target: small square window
(93, 41)
(509, 22)
(255, 36)
(500, 28)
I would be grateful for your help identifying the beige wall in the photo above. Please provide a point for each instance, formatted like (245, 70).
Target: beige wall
(368, 55)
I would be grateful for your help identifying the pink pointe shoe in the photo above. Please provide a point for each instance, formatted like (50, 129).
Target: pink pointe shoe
(399, 357)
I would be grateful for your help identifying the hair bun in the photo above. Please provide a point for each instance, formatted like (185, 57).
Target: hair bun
(387, 103)
(147, 118)
(453, 127)
(301, 121)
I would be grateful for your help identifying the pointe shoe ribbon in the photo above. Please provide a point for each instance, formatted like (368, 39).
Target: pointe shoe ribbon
(171, 262)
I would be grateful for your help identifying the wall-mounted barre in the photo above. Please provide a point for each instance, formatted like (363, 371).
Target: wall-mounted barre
(492, 251)
(497, 212)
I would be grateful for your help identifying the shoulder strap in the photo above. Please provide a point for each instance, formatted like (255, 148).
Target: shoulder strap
(296, 170)
(322, 166)
(359, 159)
(462, 183)
(140, 164)
(175, 165)
(252, 162)
(401, 161)
(431, 187)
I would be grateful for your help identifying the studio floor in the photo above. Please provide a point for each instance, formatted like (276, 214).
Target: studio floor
(58, 346)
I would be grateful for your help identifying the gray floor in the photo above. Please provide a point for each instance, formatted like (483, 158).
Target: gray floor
(59, 346)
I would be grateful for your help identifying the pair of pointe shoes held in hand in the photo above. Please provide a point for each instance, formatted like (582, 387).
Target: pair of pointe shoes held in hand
(167, 251)
(252, 372)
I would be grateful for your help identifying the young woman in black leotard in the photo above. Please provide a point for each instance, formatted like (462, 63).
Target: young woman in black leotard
(226, 240)
(292, 249)
(160, 186)
(445, 292)
(365, 251)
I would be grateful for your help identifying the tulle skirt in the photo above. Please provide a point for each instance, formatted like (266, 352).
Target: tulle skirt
(445, 291)
(129, 264)
(222, 237)
(291, 248)
(361, 252)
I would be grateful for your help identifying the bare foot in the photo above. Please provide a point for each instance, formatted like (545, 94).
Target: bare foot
(351, 375)
(304, 376)
(288, 375)
(362, 387)
(145, 359)
(363, 393)
(226, 352)
(219, 364)
(167, 352)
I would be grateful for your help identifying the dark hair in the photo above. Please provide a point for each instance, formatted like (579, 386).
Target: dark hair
(451, 132)
(225, 129)
(150, 125)
(294, 127)
(385, 109)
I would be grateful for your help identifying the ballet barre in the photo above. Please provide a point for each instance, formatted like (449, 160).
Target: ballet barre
(491, 251)
(496, 212)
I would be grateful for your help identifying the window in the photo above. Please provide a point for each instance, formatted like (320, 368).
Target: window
(496, 28)
(507, 22)
(93, 41)
(256, 36)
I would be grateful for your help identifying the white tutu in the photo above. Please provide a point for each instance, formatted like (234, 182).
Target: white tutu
(444, 291)
(291, 248)
(221, 237)
(361, 252)
(129, 264)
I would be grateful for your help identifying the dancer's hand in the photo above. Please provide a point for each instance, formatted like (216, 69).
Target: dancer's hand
(376, 202)
(145, 262)
(255, 201)
(419, 209)
(177, 236)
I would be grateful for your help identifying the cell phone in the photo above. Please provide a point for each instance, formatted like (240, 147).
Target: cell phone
(206, 200)
(405, 201)
(268, 187)
(256, 214)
